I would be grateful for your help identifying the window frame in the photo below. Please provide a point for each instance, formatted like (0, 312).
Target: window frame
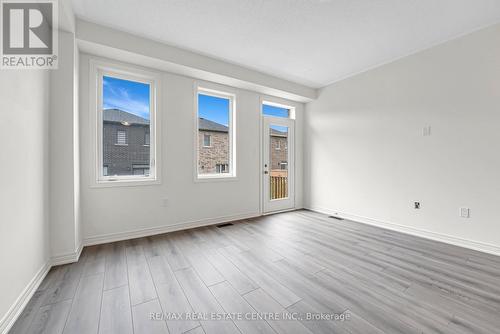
(209, 140)
(99, 69)
(226, 167)
(117, 142)
(224, 93)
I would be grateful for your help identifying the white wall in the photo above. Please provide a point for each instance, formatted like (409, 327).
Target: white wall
(24, 231)
(110, 213)
(366, 155)
(64, 154)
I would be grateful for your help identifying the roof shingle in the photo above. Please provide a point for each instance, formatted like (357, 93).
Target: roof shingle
(207, 125)
(120, 116)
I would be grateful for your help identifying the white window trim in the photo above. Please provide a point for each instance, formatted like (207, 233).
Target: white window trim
(225, 93)
(98, 69)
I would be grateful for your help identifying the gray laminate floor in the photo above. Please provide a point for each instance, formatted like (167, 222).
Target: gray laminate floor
(281, 270)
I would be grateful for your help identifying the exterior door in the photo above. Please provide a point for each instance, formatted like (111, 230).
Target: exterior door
(278, 164)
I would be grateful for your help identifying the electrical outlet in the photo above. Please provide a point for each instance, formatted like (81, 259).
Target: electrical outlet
(465, 212)
(417, 205)
(164, 202)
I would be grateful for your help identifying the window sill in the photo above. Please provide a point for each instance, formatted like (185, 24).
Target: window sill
(121, 144)
(124, 182)
(215, 178)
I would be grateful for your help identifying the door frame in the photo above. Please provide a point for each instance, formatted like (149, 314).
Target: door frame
(269, 206)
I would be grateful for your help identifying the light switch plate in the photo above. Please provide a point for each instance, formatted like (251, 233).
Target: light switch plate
(465, 212)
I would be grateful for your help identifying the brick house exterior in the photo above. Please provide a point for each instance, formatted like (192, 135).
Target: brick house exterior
(213, 147)
(213, 156)
(126, 149)
(279, 153)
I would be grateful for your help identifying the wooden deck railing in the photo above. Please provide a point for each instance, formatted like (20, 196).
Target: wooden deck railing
(279, 187)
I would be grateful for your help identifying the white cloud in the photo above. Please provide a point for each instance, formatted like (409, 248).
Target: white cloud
(120, 98)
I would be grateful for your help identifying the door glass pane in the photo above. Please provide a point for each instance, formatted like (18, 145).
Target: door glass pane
(278, 158)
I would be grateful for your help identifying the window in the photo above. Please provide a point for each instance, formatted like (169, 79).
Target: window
(283, 165)
(125, 118)
(271, 109)
(215, 134)
(207, 140)
(222, 168)
(140, 169)
(278, 145)
(121, 137)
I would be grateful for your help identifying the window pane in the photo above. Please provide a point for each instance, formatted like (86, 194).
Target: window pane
(213, 134)
(121, 137)
(275, 111)
(278, 138)
(126, 128)
(206, 140)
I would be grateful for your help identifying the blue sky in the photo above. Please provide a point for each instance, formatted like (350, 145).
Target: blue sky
(278, 112)
(279, 128)
(275, 111)
(133, 97)
(213, 108)
(129, 96)
(217, 109)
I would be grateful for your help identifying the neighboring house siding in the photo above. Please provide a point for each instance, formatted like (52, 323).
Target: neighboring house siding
(216, 153)
(121, 159)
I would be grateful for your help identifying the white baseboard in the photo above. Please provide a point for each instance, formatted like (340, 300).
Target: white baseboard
(474, 245)
(119, 236)
(15, 310)
(57, 260)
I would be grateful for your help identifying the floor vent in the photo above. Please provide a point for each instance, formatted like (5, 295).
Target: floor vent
(224, 225)
(335, 217)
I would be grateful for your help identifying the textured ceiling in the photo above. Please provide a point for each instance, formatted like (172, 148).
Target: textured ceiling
(312, 42)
